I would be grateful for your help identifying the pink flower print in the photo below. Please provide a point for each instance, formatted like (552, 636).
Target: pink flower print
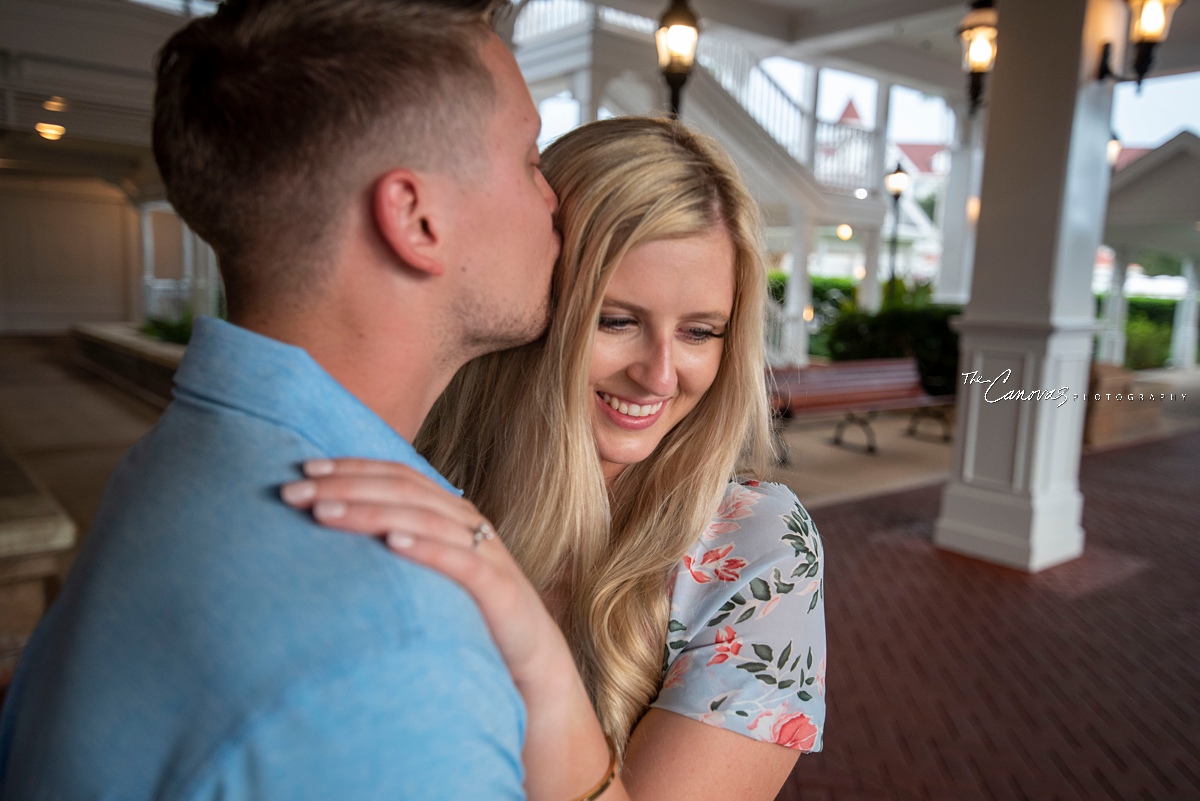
(811, 587)
(769, 607)
(674, 677)
(734, 506)
(821, 677)
(752, 483)
(728, 644)
(713, 718)
(753, 724)
(795, 731)
(718, 561)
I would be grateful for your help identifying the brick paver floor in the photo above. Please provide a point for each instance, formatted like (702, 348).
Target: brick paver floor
(953, 679)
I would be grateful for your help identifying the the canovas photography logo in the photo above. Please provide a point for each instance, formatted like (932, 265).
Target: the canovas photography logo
(994, 393)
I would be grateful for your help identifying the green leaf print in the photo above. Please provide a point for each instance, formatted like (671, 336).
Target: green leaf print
(783, 588)
(783, 685)
(814, 569)
(676, 644)
(804, 696)
(718, 620)
(675, 625)
(728, 606)
(752, 667)
(783, 658)
(813, 605)
(810, 659)
(715, 705)
(749, 613)
(760, 589)
(763, 652)
(765, 679)
(738, 599)
(742, 713)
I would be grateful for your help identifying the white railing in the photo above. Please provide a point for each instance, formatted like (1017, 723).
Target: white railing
(542, 17)
(842, 154)
(757, 92)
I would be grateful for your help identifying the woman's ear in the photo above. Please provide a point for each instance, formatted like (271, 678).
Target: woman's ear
(408, 220)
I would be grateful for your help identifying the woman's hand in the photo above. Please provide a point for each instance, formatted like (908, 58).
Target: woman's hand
(425, 523)
(564, 747)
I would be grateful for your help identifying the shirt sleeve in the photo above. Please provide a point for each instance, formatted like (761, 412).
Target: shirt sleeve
(746, 646)
(407, 727)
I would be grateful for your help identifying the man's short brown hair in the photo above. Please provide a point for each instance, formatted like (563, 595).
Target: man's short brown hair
(269, 114)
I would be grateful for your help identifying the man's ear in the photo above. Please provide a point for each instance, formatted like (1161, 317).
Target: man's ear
(407, 217)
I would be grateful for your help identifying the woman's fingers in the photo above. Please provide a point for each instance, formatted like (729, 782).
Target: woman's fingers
(336, 491)
(377, 519)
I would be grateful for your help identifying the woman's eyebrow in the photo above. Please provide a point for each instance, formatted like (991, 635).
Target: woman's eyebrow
(705, 316)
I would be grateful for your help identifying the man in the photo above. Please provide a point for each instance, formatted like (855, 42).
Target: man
(366, 171)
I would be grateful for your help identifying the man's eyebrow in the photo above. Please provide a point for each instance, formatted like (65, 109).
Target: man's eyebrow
(707, 316)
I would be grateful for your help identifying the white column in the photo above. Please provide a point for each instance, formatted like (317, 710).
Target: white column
(810, 93)
(883, 113)
(1013, 498)
(869, 296)
(953, 284)
(799, 292)
(1183, 332)
(1111, 349)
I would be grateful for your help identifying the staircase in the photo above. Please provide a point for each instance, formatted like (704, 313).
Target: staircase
(834, 160)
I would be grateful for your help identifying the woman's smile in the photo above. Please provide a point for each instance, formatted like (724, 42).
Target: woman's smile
(629, 415)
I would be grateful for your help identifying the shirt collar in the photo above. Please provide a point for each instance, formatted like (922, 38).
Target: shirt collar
(234, 367)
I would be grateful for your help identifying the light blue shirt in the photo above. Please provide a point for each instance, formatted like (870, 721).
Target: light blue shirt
(212, 642)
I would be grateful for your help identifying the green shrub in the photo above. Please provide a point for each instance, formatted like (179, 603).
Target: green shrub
(1147, 343)
(178, 330)
(1160, 311)
(923, 333)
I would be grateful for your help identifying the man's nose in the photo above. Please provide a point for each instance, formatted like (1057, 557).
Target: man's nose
(655, 368)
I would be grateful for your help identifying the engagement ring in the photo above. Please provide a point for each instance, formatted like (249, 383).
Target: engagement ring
(483, 531)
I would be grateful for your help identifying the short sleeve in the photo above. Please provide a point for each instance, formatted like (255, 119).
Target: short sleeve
(405, 727)
(746, 642)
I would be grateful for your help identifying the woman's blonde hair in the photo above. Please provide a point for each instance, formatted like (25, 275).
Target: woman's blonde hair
(514, 429)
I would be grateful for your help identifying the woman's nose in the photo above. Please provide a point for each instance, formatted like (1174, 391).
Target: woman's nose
(655, 367)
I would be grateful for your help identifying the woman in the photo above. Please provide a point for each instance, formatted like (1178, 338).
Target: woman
(604, 454)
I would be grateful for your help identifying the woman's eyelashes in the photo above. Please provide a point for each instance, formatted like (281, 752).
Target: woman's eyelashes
(691, 334)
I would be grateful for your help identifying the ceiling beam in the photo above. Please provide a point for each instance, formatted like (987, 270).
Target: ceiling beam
(753, 16)
(886, 61)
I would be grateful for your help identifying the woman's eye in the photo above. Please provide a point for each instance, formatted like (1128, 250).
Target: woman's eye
(616, 323)
(700, 335)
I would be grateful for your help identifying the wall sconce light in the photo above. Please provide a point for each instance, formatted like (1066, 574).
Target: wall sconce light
(677, 37)
(1114, 149)
(977, 31)
(48, 131)
(55, 103)
(1149, 22)
(844, 232)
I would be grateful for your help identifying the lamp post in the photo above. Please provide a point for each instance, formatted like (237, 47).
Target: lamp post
(896, 182)
(977, 31)
(676, 39)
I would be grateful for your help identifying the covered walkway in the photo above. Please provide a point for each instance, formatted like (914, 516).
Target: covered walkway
(949, 679)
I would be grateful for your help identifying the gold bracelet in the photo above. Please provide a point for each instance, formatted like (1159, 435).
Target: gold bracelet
(609, 776)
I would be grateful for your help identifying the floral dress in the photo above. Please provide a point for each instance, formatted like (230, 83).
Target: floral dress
(745, 647)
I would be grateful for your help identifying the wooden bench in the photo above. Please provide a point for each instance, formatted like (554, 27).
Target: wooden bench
(859, 390)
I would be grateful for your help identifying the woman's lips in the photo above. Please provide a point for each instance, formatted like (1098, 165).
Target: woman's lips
(636, 418)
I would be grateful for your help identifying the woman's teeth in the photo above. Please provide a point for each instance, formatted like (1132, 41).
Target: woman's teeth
(631, 409)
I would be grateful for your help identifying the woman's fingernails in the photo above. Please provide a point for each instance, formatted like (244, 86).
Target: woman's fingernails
(398, 540)
(329, 509)
(298, 492)
(318, 467)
